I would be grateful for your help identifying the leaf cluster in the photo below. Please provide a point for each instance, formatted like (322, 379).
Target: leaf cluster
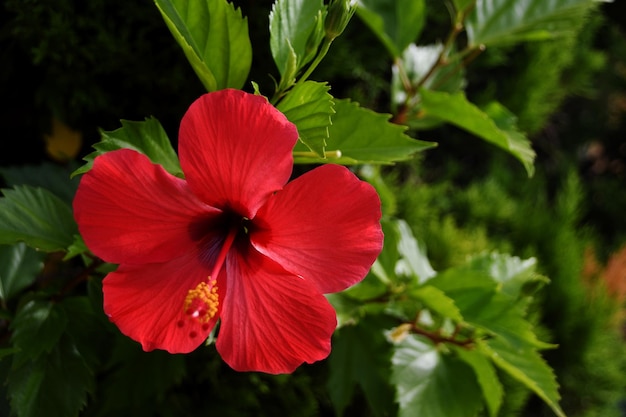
(455, 331)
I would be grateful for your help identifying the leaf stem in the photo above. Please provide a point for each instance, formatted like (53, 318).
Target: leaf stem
(323, 51)
(278, 95)
(334, 154)
(437, 337)
(468, 55)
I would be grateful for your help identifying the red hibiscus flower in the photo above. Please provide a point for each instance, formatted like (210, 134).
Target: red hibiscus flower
(234, 241)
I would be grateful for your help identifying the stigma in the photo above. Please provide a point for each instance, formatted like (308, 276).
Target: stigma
(202, 302)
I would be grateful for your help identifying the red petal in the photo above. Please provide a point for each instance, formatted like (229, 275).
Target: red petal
(324, 226)
(272, 321)
(147, 303)
(235, 149)
(131, 210)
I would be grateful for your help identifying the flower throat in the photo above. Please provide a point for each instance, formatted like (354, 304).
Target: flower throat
(202, 302)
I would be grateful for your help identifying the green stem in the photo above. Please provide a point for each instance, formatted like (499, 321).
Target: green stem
(323, 51)
(441, 59)
(335, 154)
(278, 95)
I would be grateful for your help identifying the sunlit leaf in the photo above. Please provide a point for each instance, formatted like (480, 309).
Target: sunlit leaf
(37, 217)
(413, 259)
(385, 265)
(431, 383)
(482, 305)
(214, 37)
(528, 367)
(364, 136)
(488, 380)
(147, 137)
(507, 122)
(462, 5)
(417, 63)
(498, 22)
(371, 287)
(388, 198)
(437, 301)
(516, 275)
(310, 107)
(397, 23)
(402, 257)
(19, 266)
(457, 110)
(77, 247)
(295, 27)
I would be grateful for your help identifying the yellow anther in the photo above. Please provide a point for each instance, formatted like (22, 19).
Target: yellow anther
(201, 302)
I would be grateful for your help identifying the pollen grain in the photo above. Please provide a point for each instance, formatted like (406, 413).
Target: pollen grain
(202, 302)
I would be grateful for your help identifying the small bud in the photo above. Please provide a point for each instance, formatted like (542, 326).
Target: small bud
(339, 14)
(315, 38)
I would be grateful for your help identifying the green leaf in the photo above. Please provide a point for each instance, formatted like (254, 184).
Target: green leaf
(416, 65)
(350, 311)
(413, 260)
(397, 23)
(385, 265)
(295, 32)
(135, 382)
(360, 357)
(345, 308)
(310, 107)
(37, 217)
(6, 352)
(85, 329)
(214, 37)
(147, 137)
(37, 328)
(526, 366)
(53, 177)
(19, 266)
(364, 136)
(388, 198)
(507, 122)
(503, 267)
(431, 383)
(53, 385)
(514, 274)
(483, 306)
(499, 22)
(462, 5)
(78, 247)
(402, 258)
(437, 301)
(457, 110)
(490, 385)
(371, 287)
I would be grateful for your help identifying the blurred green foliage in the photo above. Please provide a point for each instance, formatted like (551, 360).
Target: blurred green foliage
(456, 221)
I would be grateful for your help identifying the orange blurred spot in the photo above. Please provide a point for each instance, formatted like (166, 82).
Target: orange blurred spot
(64, 143)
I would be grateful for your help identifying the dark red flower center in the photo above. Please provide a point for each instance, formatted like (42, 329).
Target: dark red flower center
(202, 302)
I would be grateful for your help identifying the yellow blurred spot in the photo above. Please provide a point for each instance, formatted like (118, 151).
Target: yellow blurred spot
(64, 143)
(400, 333)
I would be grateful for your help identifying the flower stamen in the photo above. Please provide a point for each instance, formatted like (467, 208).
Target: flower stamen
(202, 302)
